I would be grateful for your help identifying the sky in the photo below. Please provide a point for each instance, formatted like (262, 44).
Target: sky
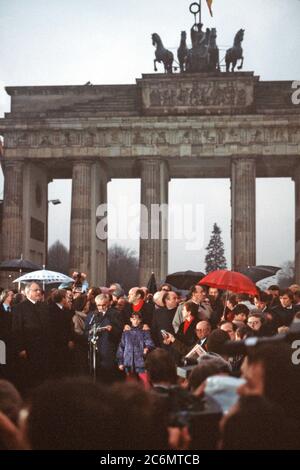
(70, 42)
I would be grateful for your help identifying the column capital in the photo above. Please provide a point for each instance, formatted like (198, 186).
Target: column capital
(18, 162)
(296, 175)
(83, 162)
(151, 160)
(243, 160)
(103, 164)
(153, 164)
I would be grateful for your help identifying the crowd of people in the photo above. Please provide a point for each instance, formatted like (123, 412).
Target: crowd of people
(149, 371)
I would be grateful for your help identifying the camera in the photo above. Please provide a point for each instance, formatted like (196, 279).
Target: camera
(242, 347)
(164, 333)
(184, 371)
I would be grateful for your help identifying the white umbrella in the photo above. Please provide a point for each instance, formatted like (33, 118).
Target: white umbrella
(264, 284)
(44, 276)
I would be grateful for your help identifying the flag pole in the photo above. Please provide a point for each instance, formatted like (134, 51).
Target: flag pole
(200, 16)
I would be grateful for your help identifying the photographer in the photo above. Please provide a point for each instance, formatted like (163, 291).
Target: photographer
(197, 416)
(272, 383)
(80, 284)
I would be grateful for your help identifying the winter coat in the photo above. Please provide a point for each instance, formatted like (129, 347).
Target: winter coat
(107, 341)
(131, 349)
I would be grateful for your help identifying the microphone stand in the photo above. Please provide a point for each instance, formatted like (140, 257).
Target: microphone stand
(93, 347)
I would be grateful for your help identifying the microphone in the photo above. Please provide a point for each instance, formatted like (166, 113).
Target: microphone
(93, 318)
(101, 328)
(97, 329)
(233, 348)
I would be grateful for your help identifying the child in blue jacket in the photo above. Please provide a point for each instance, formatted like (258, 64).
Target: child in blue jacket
(135, 344)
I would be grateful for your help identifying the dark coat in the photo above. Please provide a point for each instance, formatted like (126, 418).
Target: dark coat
(30, 328)
(162, 320)
(283, 316)
(61, 326)
(108, 341)
(184, 342)
(61, 331)
(131, 349)
(6, 337)
(31, 332)
(146, 313)
(5, 324)
(189, 338)
(179, 349)
(218, 309)
(125, 314)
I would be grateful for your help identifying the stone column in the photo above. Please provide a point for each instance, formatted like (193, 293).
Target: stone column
(297, 224)
(80, 236)
(243, 226)
(88, 252)
(99, 215)
(12, 222)
(154, 219)
(35, 212)
(12, 216)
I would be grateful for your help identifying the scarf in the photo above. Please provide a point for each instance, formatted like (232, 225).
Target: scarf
(138, 306)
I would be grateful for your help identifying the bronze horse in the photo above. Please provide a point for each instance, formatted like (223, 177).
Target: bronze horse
(161, 54)
(235, 53)
(182, 52)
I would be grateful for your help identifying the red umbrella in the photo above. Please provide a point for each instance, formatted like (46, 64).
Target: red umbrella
(229, 280)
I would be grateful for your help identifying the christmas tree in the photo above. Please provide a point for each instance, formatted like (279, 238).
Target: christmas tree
(215, 258)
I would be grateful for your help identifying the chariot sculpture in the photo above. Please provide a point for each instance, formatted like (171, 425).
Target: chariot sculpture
(204, 55)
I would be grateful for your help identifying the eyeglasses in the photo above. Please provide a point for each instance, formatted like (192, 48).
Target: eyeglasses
(36, 290)
(253, 322)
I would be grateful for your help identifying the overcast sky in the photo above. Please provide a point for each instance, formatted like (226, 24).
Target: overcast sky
(69, 42)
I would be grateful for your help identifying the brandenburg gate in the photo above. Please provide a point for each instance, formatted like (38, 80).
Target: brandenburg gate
(191, 125)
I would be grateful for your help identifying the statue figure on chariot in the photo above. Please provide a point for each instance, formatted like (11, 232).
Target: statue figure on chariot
(204, 55)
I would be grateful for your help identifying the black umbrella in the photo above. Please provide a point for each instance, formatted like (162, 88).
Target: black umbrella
(151, 286)
(257, 273)
(21, 265)
(184, 279)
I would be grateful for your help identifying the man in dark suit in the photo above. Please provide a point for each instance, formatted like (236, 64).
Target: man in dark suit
(163, 317)
(31, 336)
(108, 319)
(202, 332)
(6, 332)
(61, 330)
(136, 297)
(283, 315)
(197, 295)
